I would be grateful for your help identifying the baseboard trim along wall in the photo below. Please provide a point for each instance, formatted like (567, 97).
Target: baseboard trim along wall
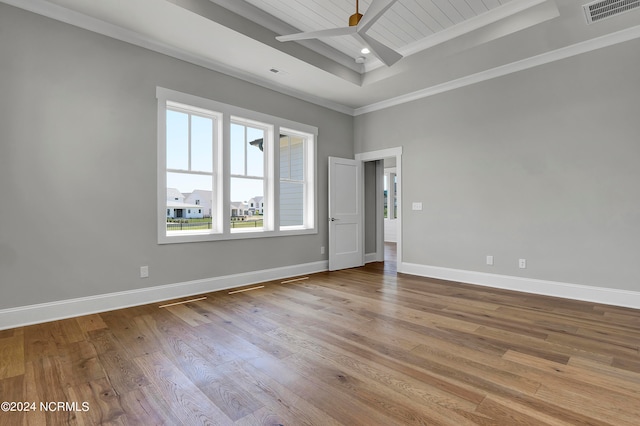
(44, 312)
(607, 296)
(372, 257)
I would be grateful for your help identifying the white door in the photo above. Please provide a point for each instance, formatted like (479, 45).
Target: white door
(346, 218)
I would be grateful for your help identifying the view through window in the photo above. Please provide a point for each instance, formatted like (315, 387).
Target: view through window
(222, 175)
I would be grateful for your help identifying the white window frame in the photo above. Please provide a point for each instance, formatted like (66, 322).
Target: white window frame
(221, 212)
(308, 182)
(268, 172)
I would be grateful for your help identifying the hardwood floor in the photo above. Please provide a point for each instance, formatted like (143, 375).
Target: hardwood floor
(355, 347)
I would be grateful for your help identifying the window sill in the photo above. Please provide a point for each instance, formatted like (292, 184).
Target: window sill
(192, 237)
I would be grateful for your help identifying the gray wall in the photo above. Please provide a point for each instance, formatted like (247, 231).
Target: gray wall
(78, 165)
(370, 213)
(541, 164)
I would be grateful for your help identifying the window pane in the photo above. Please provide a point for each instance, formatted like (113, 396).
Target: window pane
(201, 144)
(247, 203)
(177, 140)
(291, 204)
(237, 149)
(183, 213)
(285, 165)
(255, 154)
(386, 196)
(395, 196)
(199, 164)
(297, 158)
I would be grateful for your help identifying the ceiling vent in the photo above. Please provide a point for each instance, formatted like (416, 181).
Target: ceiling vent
(281, 71)
(599, 10)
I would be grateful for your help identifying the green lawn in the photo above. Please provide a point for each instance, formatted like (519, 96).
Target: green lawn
(205, 223)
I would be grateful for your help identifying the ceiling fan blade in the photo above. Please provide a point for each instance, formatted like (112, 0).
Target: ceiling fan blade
(332, 32)
(382, 52)
(373, 13)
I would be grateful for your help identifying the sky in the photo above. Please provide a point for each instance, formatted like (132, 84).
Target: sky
(246, 160)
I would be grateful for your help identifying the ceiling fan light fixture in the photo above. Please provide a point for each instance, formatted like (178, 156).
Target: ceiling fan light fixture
(355, 18)
(358, 26)
(365, 51)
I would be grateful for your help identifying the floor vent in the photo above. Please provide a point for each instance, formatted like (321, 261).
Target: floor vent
(599, 10)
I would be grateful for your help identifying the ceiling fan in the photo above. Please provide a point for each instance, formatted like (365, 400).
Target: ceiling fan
(358, 26)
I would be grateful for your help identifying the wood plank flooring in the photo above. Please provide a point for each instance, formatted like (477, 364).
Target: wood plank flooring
(354, 347)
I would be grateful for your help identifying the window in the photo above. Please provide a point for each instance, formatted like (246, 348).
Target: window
(390, 194)
(294, 179)
(228, 160)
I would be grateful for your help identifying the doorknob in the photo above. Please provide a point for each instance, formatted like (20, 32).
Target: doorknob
(333, 219)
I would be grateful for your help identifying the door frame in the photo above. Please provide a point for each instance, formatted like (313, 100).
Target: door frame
(381, 155)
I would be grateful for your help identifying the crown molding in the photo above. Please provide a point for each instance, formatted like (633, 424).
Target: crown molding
(502, 12)
(68, 16)
(521, 65)
(281, 27)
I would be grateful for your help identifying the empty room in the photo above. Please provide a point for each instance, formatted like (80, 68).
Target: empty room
(287, 212)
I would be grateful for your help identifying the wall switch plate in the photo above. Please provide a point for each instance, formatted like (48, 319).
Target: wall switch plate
(322, 250)
(416, 206)
(522, 263)
(489, 260)
(144, 272)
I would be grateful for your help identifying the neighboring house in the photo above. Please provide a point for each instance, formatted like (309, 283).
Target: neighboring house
(256, 205)
(178, 209)
(202, 198)
(239, 210)
(174, 195)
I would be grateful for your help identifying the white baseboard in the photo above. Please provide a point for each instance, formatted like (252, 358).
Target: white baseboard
(372, 257)
(607, 296)
(44, 312)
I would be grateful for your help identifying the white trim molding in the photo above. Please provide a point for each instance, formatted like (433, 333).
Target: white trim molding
(494, 15)
(607, 296)
(77, 19)
(395, 152)
(380, 154)
(372, 257)
(52, 311)
(586, 46)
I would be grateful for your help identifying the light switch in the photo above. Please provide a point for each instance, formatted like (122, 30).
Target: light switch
(416, 206)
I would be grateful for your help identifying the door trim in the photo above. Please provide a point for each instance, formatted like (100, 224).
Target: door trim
(381, 155)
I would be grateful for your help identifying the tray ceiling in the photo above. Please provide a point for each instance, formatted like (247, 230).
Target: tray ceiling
(403, 27)
(446, 44)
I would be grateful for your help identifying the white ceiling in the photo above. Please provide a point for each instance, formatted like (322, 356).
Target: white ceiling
(446, 43)
(405, 24)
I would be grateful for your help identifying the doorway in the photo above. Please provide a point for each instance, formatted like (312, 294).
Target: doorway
(390, 213)
(380, 247)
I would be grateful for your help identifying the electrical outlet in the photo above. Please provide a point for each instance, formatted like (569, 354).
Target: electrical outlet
(522, 263)
(489, 260)
(144, 272)
(416, 206)
(322, 250)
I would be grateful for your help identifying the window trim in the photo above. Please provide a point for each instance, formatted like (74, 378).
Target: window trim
(222, 175)
(267, 173)
(308, 189)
